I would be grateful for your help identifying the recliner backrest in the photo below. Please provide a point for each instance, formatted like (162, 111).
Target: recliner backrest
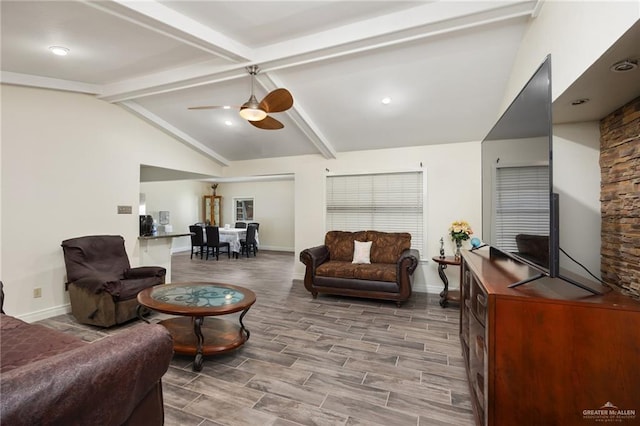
(101, 254)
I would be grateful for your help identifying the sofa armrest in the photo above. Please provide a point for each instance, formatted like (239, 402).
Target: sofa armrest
(99, 383)
(314, 256)
(98, 283)
(406, 265)
(409, 260)
(145, 271)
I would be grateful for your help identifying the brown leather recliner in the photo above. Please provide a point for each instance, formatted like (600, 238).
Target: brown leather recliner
(102, 285)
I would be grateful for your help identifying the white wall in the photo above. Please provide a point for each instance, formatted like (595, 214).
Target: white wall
(68, 160)
(452, 192)
(273, 200)
(575, 33)
(273, 210)
(183, 201)
(576, 178)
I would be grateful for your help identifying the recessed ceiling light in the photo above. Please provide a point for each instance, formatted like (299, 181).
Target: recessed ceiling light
(59, 50)
(386, 100)
(624, 66)
(580, 101)
(228, 122)
(226, 107)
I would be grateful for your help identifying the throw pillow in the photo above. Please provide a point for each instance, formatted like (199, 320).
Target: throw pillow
(361, 251)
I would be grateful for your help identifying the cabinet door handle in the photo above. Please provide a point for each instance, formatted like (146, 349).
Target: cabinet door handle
(482, 299)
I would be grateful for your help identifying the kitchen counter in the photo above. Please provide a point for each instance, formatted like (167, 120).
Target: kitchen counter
(155, 250)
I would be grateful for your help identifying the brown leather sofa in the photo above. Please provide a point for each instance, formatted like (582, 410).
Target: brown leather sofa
(389, 276)
(102, 284)
(51, 378)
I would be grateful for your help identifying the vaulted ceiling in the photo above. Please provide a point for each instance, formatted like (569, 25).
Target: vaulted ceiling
(444, 65)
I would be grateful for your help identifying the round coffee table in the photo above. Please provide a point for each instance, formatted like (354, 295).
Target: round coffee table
(193, 301)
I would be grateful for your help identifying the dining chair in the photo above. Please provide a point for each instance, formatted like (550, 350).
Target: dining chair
(197, 240)
(213, 242)
(249, 242)
(257, 231)
(241, 225)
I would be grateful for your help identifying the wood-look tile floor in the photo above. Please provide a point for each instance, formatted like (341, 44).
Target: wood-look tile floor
(328, 361)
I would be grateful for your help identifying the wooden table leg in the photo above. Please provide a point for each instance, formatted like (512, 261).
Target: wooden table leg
(242, 327)
(197, 329)
(444, 293)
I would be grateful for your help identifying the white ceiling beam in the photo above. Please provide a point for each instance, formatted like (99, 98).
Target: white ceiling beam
(401, 27)
(173, 131)
(253, 178)
(18, 79)
(169, 81)
(300, 118)
(537, 8)
(161, 19)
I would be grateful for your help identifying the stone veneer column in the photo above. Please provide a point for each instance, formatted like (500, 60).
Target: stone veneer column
(620, 198)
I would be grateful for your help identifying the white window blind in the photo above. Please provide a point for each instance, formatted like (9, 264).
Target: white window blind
(522, 203)
(387, 202)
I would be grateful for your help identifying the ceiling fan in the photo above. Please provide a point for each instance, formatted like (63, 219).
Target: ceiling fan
(277, 100)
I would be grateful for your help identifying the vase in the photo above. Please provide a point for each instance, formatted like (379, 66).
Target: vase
(458, 246)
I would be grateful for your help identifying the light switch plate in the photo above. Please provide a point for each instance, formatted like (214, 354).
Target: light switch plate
(125, 209)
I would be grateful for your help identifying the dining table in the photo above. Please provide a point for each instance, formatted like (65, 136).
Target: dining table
(233, 237)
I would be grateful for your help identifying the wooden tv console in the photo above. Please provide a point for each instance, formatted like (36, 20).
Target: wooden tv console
(547, 352)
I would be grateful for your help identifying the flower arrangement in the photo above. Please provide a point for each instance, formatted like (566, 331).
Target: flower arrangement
(460, 231)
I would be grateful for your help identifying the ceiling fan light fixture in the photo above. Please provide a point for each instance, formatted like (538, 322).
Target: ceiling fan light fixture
(251, 110)
(252, 114)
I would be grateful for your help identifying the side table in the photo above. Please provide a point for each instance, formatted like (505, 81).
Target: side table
(446, 295)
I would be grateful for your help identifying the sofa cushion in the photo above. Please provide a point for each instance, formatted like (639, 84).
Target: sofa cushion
(388, 246)
(371, 272)
(340, 244)
(376, 272)
(337, 269)
(24, 343)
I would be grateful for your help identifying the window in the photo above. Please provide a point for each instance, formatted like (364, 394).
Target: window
(522, 203)
(388, 202)
(243, 208)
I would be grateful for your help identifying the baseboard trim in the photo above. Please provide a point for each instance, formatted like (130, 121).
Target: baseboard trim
(175, 250)
(45, 313)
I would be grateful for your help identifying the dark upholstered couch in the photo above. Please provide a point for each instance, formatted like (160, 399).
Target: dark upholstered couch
(389, 276)
(51, 378)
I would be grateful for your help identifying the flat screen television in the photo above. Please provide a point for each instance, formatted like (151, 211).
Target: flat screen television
(520, 211)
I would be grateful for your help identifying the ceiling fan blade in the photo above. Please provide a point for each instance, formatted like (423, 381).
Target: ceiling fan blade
(268, 123)
(277, 101)
(215, 107)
